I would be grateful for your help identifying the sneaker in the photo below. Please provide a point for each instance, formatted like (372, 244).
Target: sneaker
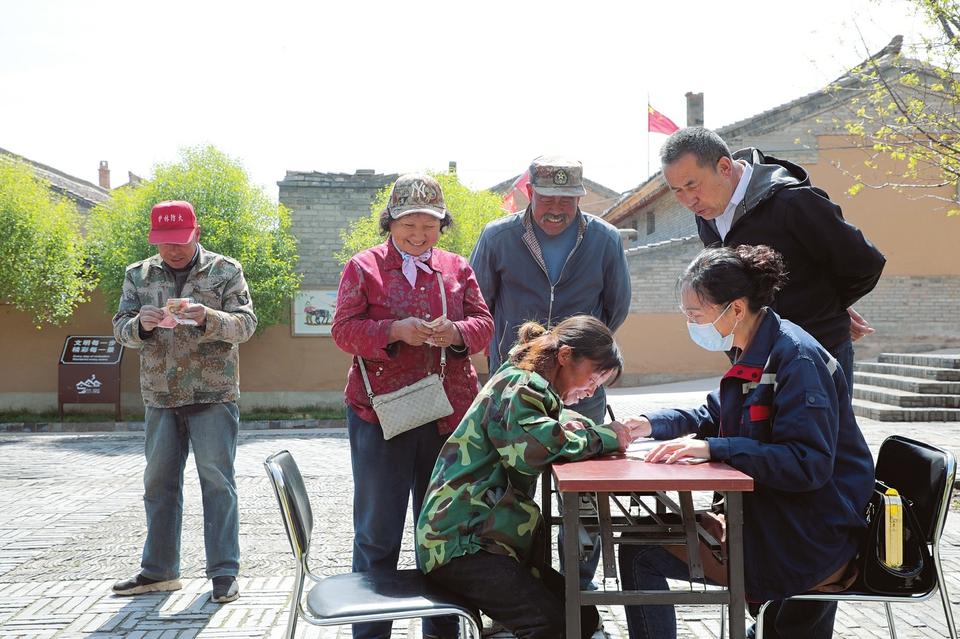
(225, 589)
(140, 584)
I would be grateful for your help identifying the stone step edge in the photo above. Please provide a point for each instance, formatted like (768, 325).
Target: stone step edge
(896, 392)
(944, 357)
(138, 427)
(954, 372)
(876, 411)
(902, 379)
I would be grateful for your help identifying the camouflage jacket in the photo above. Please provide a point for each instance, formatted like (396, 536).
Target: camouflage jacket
(480, 495)
(188, 364)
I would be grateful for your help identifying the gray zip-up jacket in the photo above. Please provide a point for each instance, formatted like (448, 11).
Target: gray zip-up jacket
(513, 279)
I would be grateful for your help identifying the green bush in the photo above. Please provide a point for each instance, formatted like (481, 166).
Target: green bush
(43, 259)
(236, 218)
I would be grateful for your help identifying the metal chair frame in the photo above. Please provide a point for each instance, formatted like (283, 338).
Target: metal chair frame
(939, 584)
(360, 597)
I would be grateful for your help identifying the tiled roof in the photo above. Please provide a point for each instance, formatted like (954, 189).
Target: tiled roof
(67, 185)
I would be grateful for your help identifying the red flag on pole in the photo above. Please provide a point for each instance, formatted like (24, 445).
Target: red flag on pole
(659, 123)
(519, 186)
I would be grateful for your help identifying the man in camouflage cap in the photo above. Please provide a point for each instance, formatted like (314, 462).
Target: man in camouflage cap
(186, 310)
(548, 263)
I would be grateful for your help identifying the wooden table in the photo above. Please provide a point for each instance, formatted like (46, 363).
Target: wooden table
(619, 475)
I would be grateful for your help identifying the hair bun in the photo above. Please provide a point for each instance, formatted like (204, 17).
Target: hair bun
(766, 269)
(529, 331)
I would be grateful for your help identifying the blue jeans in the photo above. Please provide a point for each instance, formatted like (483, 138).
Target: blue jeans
(212, 431)
(385, 473)
(649, 567)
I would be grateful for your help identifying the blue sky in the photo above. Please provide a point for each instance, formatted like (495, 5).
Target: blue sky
(400, 86)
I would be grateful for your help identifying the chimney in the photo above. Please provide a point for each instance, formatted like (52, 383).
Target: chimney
(694, 109)
(104, 175)
(452, 167)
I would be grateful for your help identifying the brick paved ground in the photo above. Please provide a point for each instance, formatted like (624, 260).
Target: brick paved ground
(71, 522)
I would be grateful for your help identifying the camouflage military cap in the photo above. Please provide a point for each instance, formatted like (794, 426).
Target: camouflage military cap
(557, 175)
(416, 193)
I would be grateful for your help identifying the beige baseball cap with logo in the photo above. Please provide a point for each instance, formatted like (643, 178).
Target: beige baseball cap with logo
(416, 193)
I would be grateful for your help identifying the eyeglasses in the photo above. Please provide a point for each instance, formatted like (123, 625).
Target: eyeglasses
(693, 314)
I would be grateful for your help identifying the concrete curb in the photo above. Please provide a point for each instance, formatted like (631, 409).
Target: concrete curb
(137, 427)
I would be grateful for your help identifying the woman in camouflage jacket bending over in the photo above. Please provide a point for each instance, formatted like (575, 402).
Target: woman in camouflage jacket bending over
(479, 525)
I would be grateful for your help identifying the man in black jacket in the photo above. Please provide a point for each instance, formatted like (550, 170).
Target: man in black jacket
(749, 198)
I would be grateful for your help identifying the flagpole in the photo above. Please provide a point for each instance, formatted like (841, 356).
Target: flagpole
(646, 161)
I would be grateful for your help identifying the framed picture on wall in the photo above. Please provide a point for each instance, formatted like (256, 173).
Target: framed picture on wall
(313, 312)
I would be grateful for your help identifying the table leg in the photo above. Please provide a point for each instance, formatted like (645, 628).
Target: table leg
(546, 496)
(571, 559)
(606, 536)
(694, 562)
(734, 514)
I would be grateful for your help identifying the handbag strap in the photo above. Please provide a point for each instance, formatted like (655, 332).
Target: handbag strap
(443, 349)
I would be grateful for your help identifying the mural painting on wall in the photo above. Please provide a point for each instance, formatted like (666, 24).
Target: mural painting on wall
(313, 312)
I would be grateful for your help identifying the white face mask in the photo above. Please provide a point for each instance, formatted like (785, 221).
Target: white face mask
(707, 336)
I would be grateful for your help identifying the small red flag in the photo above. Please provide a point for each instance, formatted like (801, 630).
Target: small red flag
(519, 186)
(659, 123)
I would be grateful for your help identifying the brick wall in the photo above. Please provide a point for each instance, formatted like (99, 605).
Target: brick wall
(911, 313)
(654, 270)
(671, 220)
(321, 206)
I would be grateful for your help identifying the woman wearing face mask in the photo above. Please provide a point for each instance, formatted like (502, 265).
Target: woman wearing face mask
(783, 416)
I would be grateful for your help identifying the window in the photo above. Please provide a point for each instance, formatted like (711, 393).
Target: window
(651, 222)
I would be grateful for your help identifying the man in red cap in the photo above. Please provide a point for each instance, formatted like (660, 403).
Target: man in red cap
(186, 310)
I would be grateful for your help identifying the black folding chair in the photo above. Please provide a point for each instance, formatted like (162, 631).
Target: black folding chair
(924, 474)
(354, 597)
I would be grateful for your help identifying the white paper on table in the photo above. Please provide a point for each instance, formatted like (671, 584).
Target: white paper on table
(639, 448)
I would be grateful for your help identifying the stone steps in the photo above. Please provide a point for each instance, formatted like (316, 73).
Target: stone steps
(909, 370)
(910, 384)
(887, 413)
(937, 361)
(908, 387)
(905, 399)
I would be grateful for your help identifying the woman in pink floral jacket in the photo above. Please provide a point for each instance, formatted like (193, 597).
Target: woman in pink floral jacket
(388, 294)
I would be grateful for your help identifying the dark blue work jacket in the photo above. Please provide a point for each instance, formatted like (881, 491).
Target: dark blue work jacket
(782, 415)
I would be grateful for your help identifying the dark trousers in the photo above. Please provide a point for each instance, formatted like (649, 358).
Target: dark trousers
(385, 474)
(844, 356)
(649, 567)
(529, 606)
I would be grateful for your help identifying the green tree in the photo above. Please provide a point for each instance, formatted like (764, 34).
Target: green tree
(43, 268)
(905, 108)
(236, 218)
(471, 211)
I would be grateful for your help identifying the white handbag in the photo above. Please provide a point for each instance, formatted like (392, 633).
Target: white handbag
(413, 405)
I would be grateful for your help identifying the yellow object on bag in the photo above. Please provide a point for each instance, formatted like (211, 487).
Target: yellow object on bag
(893, 528)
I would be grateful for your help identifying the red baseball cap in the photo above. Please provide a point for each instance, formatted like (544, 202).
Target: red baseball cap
(172, 222)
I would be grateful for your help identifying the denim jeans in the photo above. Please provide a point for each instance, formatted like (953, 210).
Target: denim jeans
(649, 567)
(170, 432)
(507, 591)
(385, 473)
